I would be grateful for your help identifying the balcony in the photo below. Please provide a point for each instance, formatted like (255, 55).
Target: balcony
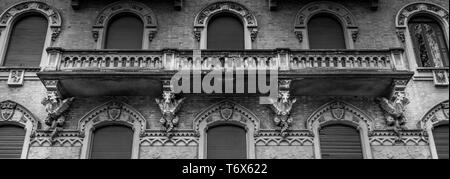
(141, 72)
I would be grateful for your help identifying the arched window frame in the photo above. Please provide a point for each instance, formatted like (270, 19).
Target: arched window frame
(338, 11)
(437, 116)
(114, 111)
(204, 121)
(409, 11)
(336, 112)
(141, 10)
(12, 113)
(9, 18)
(206, 14)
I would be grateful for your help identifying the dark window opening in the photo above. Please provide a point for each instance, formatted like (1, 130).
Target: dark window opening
(225, 32)
(125, 31)
(112, 142)
(11, 141)
(340, 142)
(440, 134)
(27, 41)
(226, 142)
(325, 32)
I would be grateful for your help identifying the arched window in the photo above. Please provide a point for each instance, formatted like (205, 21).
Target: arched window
(26, 42)
(429, 42)
(112, 142)
(125, 31)
(340, 142)
(440, 134)
(325, 32)
(11, 141)
(225, 32)
(226, 142)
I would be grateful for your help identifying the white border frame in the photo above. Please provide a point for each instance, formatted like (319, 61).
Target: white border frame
(15, 12)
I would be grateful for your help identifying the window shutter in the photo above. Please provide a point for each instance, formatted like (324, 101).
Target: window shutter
(325, 32)
(226, 142)
(11, 142)
(26, 43)
(440, 135)
(340, 142)
(225, 32)
(112, 142)
(125, 32)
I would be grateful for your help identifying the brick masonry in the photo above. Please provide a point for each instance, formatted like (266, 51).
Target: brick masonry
(377, 31)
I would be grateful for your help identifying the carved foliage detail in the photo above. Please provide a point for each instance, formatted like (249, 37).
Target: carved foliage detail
(408, 11)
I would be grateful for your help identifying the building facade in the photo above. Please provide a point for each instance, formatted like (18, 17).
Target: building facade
(362, 79)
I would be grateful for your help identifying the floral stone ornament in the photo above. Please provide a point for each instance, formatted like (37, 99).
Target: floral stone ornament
(169, 106)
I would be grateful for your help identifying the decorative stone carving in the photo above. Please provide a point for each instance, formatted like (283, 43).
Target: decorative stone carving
(114, 110)
(151, 35)
(282, 108)
(227, 111)
(401, 35)
(248, 18)
(95, 35)
(7, 110)
(55, 33)
(418, 7)
(16, 77)
(57, 109)
(338, 110)
(31, 6)
(169, 106)
(355, 35)
(299, 35)
(441, 77)
(394, 110)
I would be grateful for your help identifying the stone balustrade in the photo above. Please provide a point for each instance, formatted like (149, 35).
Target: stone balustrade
(173, 60)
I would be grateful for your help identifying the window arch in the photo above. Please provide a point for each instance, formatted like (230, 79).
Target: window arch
(325, 32)
(226, 142)
(131, 10)
(118, 115)
(417, 43)
(125, 31)
(225, 32)
(246, 17)
(341, 114)
(340, 141)
(338, 13)
(32, 22)
(112, 142)
(428, 40)
(26, 42)
(227, 113)
(436, 123)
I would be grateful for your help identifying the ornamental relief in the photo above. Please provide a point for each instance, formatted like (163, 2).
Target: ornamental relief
(414, 8)
(12, 112)
(314, 8)
(138, 8)
(236, 8)
(51, 13)
(438, 114)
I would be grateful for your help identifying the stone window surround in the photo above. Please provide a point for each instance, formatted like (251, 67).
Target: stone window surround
(247, 17)
(202, 124)
(363, 126)
(401, 22)
(430, 121)
(87, 126)
(139, 9)
(30, 126)
(342, 14)
(19, 10)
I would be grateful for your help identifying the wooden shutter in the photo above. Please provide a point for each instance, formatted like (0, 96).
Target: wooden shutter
(429, 42)
(225, 32)
(340, 142)
(125, 31)
(325, 32)
(440, 135)
(11, 142)
(26, 43)
(226, 142)
(112, 142)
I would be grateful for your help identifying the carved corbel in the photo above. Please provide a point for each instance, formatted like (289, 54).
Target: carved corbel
(169, 107)
(55, 33)
(151, 35)
(394, 107)
(198, 34)
(56, 108)
(282, 107)
(299, 35)
(401, 35)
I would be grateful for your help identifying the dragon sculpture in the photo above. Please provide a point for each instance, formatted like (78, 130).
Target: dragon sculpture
(56, 109)
(394, 111)
(169, 107)
(282, 107)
